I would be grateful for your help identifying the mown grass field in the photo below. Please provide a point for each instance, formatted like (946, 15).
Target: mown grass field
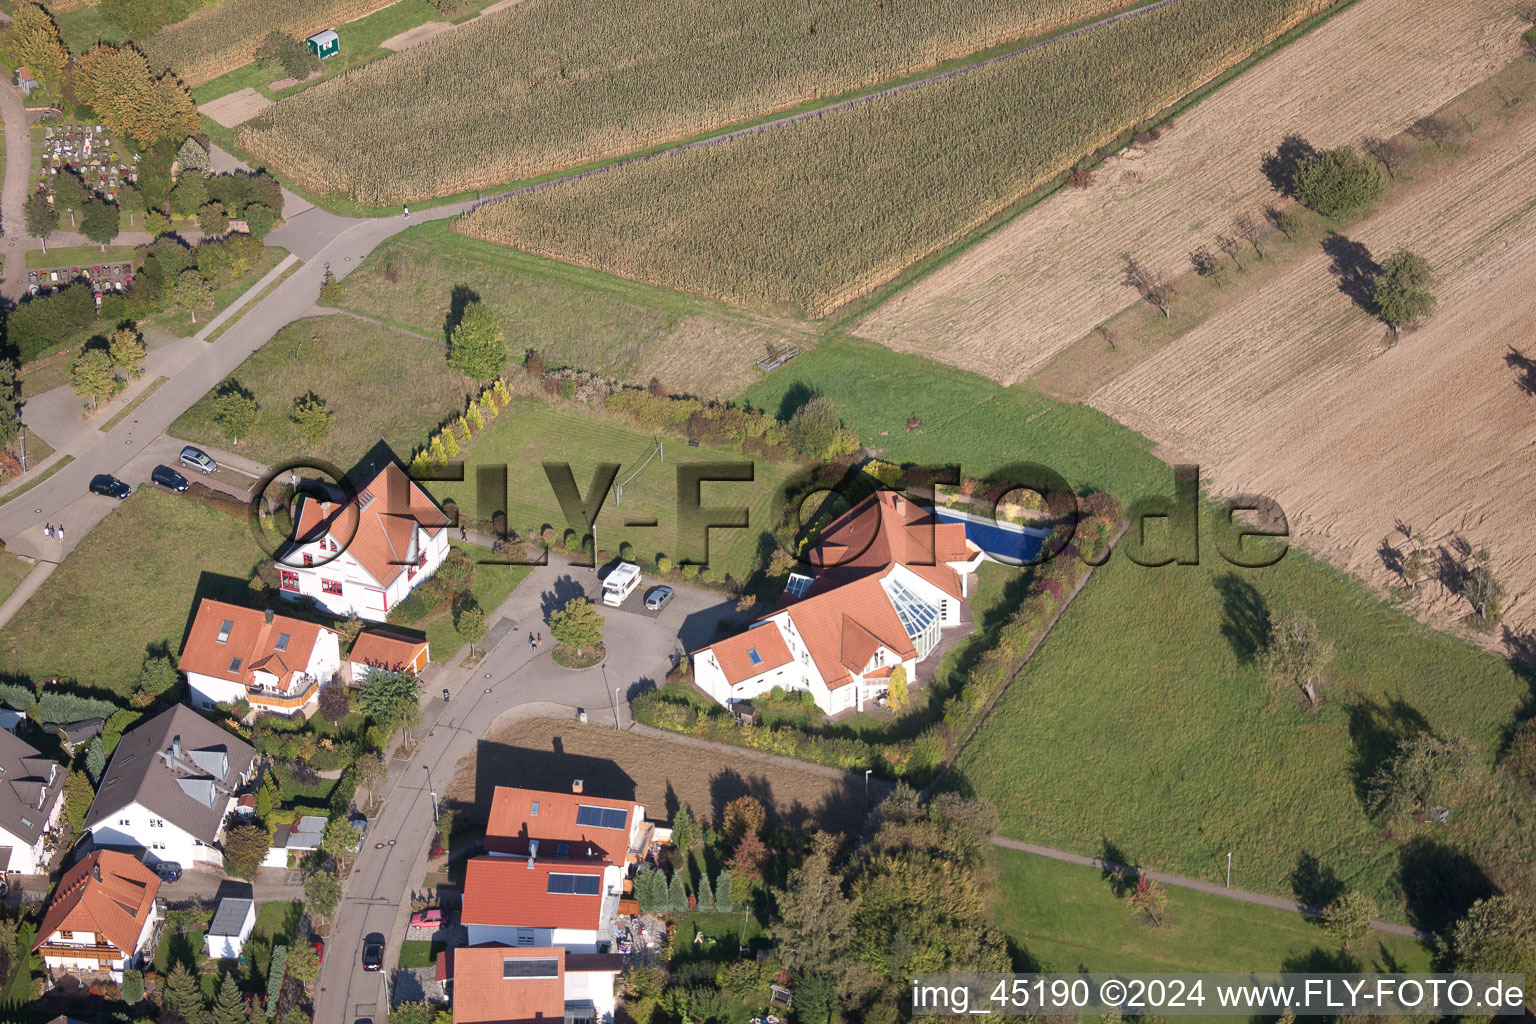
(1065, 918)
(225, 36)
(808, 216)
(1144, 727)
(551, 84)
(12, 571)
(530, 432)
(571, 315)
(491, 585)
(361, 370)
(965, 419)
(132, 583)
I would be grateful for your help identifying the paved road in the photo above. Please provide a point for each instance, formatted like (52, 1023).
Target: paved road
(1210, 888)
(513, 681)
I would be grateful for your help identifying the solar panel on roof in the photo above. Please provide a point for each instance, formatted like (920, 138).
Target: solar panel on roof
(530, 967)
(577, 885)
(601, 817)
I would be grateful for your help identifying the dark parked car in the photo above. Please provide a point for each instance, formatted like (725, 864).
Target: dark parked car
(657, 599)
(167, 477)
(111, 486)
(195, 458)
(168, 871)
(373, 951)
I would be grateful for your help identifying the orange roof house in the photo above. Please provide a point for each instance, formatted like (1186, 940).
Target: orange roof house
(363, 555)
(499, 984)
(375, 649)
(565, 825)
(101, 914)
(275, 662)
(883, 581)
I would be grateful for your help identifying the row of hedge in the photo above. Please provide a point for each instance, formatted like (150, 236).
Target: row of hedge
(920, 758)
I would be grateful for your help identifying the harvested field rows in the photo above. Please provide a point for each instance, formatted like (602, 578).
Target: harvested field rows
(1005, 306)
(552, 84)
(542, 753)
(1291, 391)
(811, 214)
(225, 36)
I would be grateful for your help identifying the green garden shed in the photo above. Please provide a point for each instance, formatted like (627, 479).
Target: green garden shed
(325, 44)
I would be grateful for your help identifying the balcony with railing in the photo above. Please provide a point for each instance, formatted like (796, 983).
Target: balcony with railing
(284, 700)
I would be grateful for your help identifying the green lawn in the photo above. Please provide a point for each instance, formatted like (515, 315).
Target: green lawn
(966, 418)
(84, 27)
(531, 431)
(77, 255)
(1144, 727)
(1065, 918)
(279, 922)
(573, 316)
(181, 325)
(360, 370)
(12, 571)
(417, 953)
(491, 585)
(131, 584)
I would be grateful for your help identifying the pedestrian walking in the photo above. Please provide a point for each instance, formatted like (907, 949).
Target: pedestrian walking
(48, 530)
(531, 644)
(464, 533)
(539, 641)
(58, 533)
(407, 211)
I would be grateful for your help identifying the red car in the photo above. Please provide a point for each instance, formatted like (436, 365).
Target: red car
(432, 917)
(319, 951)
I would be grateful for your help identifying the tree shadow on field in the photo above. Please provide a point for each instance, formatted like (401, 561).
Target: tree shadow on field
(1354, 267)
(1377, 731)
(1245, 616)
(1280, 167)
(1314, 884)
(1524, 367)
(1116, 868)
(1439, 884)
(798, 395)
(458, 300)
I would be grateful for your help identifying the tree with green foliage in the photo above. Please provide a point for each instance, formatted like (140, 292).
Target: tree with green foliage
(95, 759)
(126, 351)
(1422, 774)
(339, 838)
(578, 625)
(296, 1015)
(191, 293)
(1295, 656)
(1483, 589)
(816, 999)
(303, 962)
(259, 219)
(896, 691)
(322, 892)
(212, 220)
(334, 702)
(476, 347)
(193, 157)
(1401, 293)
(1150, 897)
(677, 894)
(133, 987)
(724, 898)
(418, 1013)
(92, 376)
(814, 928)
(1338, 181)
(189, 195)
(100, 221)
(370, 771)
(386, 698)
(69, 193)
(234, 410)
(34, 41)
(313, 418)
(42, 218)
(78, 795)
(706, 895)
(183, 996)
(1349, 916)
(244, 847)
(469, 620)
(1497, 936)
(813, 427)
(229, 1006)
(330, 289)
(10, 414)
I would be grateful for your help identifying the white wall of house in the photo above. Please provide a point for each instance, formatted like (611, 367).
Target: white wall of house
(799, 674)
(594, 985)
(136, 826)
(576, 940)
(28, 859)
(324, 662)
(360, 594)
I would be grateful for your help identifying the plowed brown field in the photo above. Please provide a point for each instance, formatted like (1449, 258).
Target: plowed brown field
(1291, 390)
(1043, 281)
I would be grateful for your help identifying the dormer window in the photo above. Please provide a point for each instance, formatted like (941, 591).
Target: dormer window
(225, 628)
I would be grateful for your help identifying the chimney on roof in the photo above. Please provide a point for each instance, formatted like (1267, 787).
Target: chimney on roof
(533, 848)
(325, 506)
(96, 870)
(575, 785)
(899, 503)
(176, 748)
(267, 618)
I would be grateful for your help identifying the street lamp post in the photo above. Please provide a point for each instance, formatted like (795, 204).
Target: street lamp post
(430, 791)
(616, 723)
(866, 784)
(1229, 869)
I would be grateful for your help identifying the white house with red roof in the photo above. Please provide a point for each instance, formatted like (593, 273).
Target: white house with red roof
(885, 580)
(497, 984)
(102, 916)
(274, 662)
(362, 557)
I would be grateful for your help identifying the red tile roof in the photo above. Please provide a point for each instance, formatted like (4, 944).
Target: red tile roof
(385, 651)
(506, 892)
(252, 639)
(842, 627)
(736, 660)
(886, 528)
(513, 822)
(114, 907)
(378, 527)
(483, 994)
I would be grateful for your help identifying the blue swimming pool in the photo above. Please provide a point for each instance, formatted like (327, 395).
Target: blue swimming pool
(1014, 545)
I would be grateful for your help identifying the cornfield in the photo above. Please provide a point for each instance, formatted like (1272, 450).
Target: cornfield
(223, 37)
(809, 215)
(552, 84)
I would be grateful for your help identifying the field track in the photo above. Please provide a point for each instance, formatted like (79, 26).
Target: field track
(1291, 390)
(1006, 305)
